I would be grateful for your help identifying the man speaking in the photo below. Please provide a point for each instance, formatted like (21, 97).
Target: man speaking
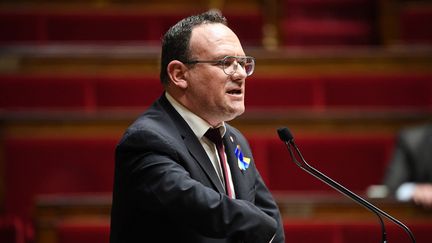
(182, 174)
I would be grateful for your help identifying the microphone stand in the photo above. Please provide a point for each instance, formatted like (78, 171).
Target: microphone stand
(288, 139)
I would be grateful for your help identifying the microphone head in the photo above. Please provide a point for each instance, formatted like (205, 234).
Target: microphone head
(285, 134)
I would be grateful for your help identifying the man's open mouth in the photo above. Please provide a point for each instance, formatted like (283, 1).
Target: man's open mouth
(234, 91)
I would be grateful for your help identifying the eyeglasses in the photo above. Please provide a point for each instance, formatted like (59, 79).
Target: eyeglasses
(230, 64)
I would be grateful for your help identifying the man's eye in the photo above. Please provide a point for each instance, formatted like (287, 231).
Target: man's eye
(229, 61)
(242, 62)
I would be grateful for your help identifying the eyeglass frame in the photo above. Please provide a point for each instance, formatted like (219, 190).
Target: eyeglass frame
(221, 62)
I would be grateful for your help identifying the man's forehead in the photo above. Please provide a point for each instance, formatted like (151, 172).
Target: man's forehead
(214, 35)
(210, 30)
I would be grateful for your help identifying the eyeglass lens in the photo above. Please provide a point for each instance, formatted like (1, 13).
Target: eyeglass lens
(230, 64)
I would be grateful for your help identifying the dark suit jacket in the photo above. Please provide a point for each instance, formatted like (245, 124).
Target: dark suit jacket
(412, 159)
(166, 188)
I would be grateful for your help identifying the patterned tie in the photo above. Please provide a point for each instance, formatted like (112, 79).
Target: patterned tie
(214, 135)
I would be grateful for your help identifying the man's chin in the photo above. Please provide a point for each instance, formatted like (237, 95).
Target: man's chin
(236, 112)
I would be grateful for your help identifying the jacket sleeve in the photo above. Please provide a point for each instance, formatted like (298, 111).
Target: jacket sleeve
(398, 168)
(263, 198)
(265, 202)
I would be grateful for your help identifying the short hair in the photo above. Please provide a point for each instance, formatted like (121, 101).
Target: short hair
(175, 42)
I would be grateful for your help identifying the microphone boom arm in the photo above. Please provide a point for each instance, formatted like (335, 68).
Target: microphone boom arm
(319, 175)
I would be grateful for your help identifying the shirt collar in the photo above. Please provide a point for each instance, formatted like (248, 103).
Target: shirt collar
(198, 125)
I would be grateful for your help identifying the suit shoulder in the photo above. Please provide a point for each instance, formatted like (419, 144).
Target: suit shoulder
(233, 130)
(239, 137)
(416, 132)
(151, 128)
(414, 136)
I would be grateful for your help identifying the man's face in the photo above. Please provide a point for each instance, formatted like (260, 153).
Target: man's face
(212, 94)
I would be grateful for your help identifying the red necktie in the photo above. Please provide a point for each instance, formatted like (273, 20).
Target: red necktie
(213, 134)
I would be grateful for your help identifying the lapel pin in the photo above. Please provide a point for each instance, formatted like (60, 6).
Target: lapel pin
(242, 161)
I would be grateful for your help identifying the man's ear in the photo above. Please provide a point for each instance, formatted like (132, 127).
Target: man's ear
(176, 71)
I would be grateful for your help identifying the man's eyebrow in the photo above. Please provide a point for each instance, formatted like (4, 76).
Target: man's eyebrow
(220, 57)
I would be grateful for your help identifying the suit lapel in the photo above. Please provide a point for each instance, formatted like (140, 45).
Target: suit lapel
(193, 145)
(236, 174)
(197, 151)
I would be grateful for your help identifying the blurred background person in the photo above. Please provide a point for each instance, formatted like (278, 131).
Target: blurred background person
(409, 174)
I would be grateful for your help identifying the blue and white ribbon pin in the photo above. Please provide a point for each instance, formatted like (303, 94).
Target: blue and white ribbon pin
(243, 162)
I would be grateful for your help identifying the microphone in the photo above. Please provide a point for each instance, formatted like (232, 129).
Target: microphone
(286, 137)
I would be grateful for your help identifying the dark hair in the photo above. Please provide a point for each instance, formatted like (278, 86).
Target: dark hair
(175, 42)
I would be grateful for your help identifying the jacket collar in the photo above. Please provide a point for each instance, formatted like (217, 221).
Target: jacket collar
(192, 143)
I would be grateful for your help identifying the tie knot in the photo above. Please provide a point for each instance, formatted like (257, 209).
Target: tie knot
(213, 134)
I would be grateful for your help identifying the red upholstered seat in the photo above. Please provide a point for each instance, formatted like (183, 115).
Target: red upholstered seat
(107, 26)
(129, 92)
(304, 31)
(331, 231)
(83, 231)
(306, 232)
(84, 26)
(259, 146)
(363, 232)
(283, 92)
(77, 92)
(328, 22)
(37, 166)
(354, 161)
(371, 232)
(299, 231)
(379, 91)
(416, 23)
(45, 92)
(421, 231)
(91, 93)
(248, 26)
(19, 27)
(12, 230)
